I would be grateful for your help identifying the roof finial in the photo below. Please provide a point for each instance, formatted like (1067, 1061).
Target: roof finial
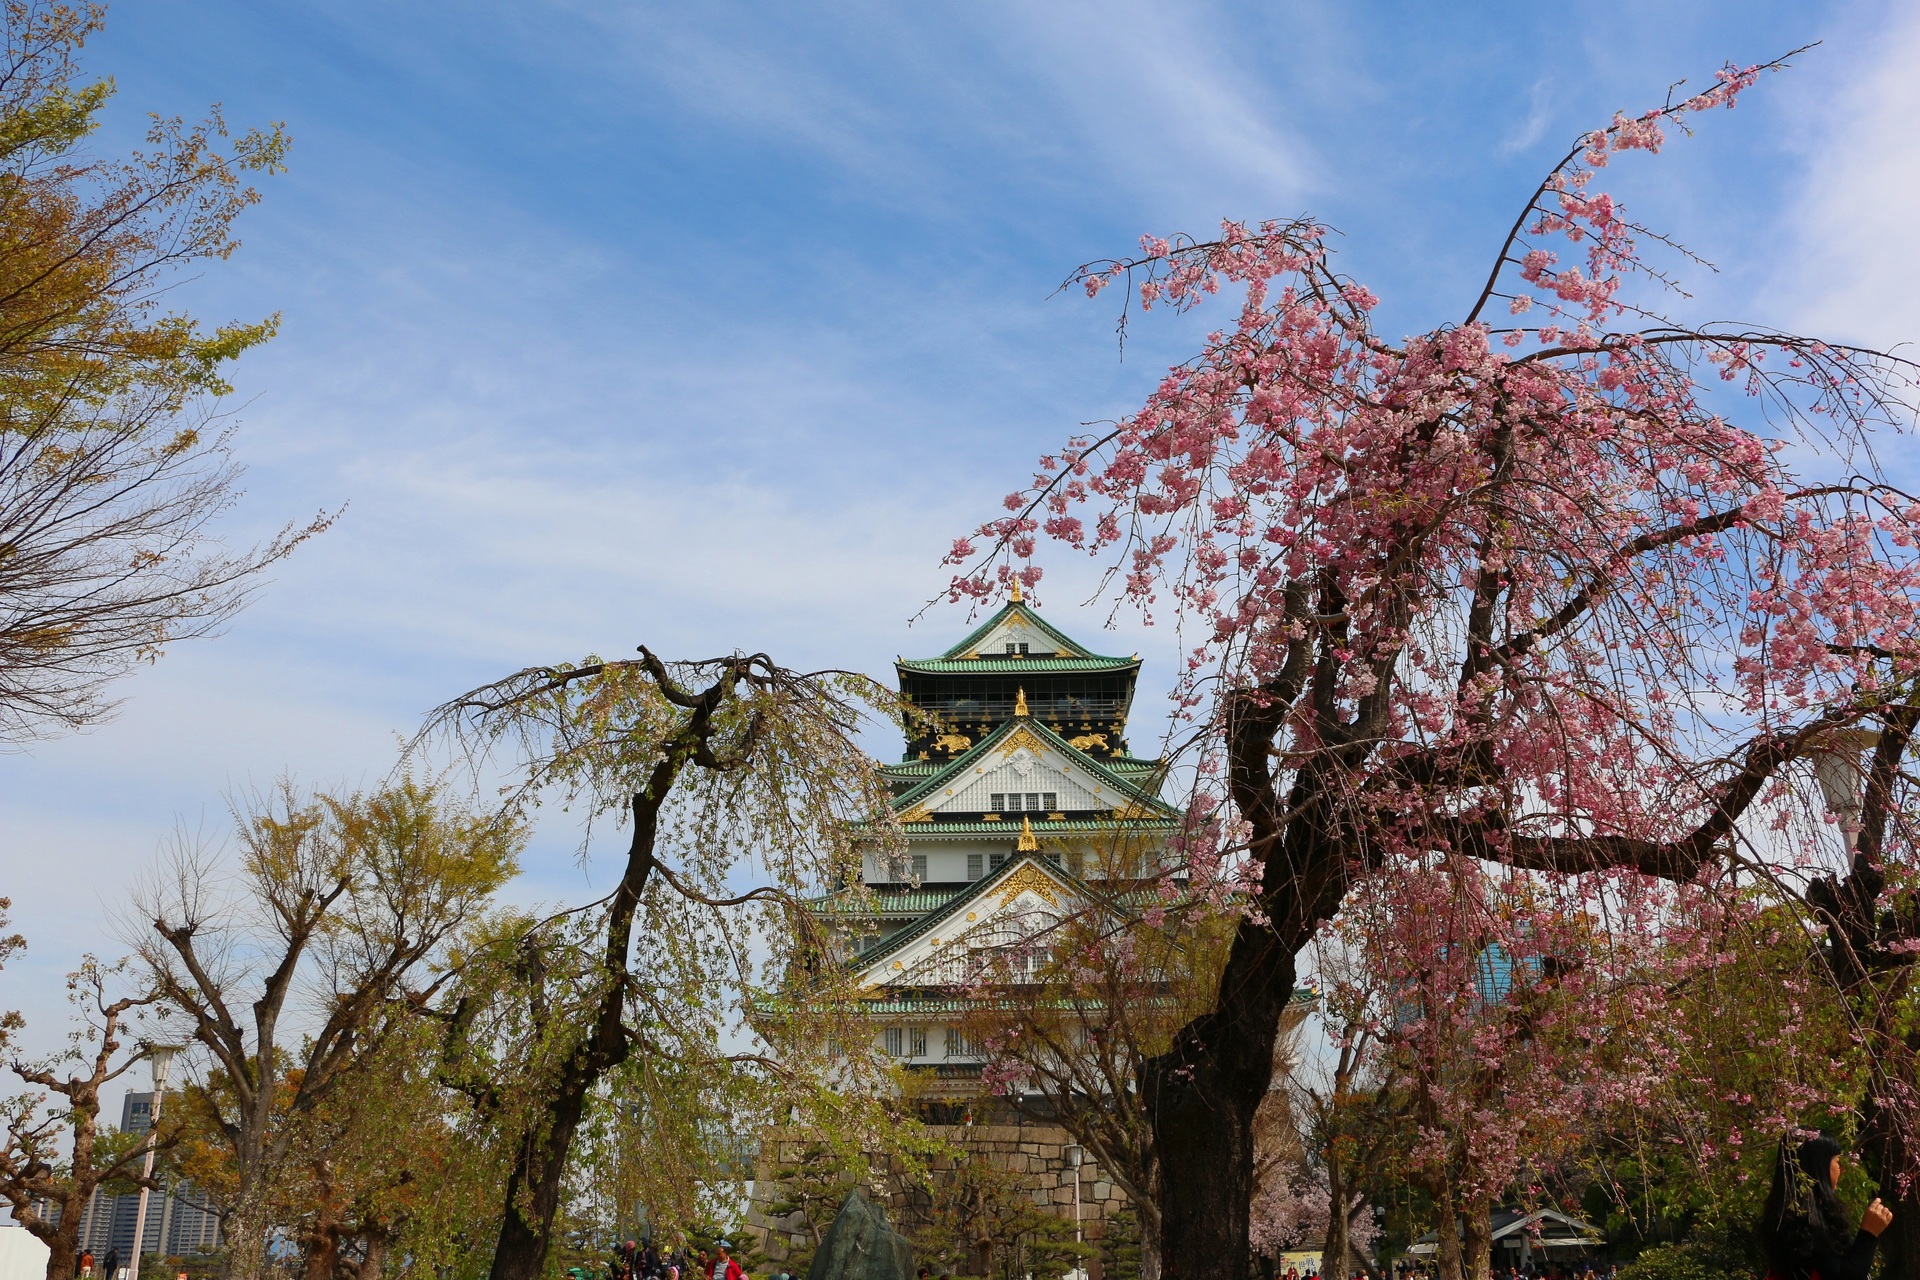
(1027, 843)
(1014, 595)
(1020, 702)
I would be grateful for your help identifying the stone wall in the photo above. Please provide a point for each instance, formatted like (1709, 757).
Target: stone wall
(1034, 1150)
(1040, 1151)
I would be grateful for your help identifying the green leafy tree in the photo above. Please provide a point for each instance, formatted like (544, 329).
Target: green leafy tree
(744, 790)
(349, 906)
(112, 462)
(1120, 1254)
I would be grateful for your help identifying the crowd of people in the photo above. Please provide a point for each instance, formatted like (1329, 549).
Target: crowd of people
(1804, 1231)
(1572, 1269)
(632, 1260)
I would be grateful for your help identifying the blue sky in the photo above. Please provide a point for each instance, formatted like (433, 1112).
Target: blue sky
(710, 325)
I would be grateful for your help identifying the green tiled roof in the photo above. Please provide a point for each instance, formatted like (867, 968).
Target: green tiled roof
(1027, 615)
(1065, 826)
(996, 664)
(919, 1006)
(911, 768)
(960, 763)
(911, 902)
(912, 1006)
(896, 941)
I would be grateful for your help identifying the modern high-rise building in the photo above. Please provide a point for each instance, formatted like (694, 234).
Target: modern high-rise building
(180, 1220)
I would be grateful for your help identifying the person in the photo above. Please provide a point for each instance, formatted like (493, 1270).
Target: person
(86, 1263)
(111, 1268)
(724, 1267)
(1804, 1232)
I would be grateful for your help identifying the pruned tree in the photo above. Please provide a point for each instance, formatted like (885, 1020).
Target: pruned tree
(290, 987)
(113, 468)
(1541, 590)
(745, 789)
(54, 1153)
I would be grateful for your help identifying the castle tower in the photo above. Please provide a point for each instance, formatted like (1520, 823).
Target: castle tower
(1016, 795)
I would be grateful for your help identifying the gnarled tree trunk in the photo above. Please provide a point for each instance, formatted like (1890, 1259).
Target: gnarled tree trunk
(1202, 1095)
(1476, 1238)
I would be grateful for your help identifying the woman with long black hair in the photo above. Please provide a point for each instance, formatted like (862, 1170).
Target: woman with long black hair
(1803, 1228)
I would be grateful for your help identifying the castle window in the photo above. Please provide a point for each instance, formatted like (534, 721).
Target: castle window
(1016, 650)
(976, 865)
(999, 799)
(958, 1046)
(916, 1042)
(995, 861)
(892, 1039)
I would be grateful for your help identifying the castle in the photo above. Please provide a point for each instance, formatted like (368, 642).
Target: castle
(1020, 804)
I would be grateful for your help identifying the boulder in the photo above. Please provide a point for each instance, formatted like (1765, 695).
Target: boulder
(861, 1246)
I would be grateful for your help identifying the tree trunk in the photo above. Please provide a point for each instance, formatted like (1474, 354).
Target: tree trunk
(540, 1160)
(323, 1252)
(1446, 1230)
(1334, 1262)
(1201, 1096)
(540, 1164)
(375, 1260)
(63, 1242)
(1477, 1243)
(244, 1232)
(1149, 1248)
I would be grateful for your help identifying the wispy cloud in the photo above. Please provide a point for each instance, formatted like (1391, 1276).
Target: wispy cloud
(1531, 128)
(1852, 270)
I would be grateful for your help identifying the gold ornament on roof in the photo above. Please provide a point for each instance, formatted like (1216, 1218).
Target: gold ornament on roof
(1019, 701)
(1014, 595)
(1027, 842)
(1028, 879)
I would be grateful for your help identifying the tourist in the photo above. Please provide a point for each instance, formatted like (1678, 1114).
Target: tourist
(86, 1263)
(1803, 1227)
(724, 1267)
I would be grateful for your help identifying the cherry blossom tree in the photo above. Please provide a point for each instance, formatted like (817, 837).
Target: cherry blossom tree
(1565, 584)
(1515, 1013)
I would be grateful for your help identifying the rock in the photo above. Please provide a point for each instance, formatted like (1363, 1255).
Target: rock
(861, 1246)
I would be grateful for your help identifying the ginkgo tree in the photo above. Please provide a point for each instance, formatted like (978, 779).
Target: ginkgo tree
(1563, 583)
